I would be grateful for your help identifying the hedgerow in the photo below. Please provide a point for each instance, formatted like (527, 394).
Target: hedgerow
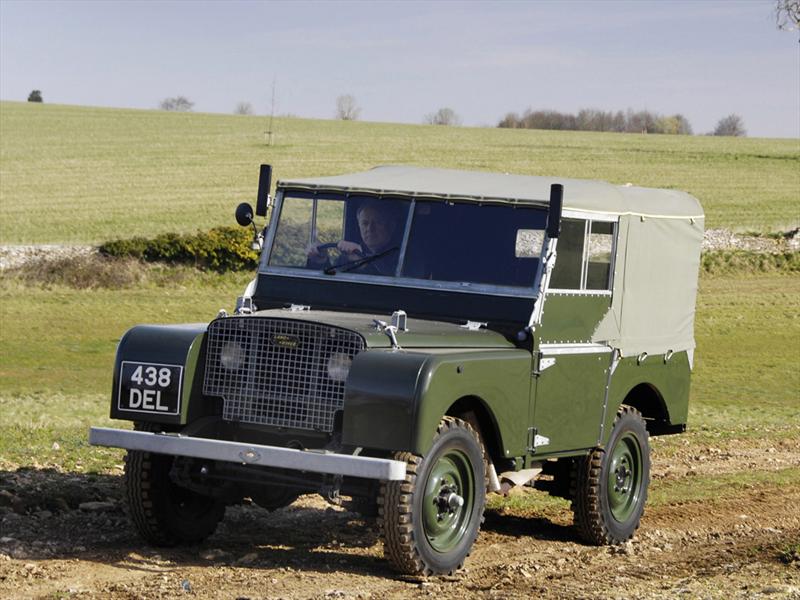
(219, 249)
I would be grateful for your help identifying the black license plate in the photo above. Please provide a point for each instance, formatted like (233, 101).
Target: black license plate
(150, 388)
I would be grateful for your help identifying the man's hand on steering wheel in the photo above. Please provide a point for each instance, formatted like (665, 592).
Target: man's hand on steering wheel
(319, 251)
(350, 248)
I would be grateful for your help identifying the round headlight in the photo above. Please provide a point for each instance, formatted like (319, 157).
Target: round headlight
(231, 356)
(339, 366)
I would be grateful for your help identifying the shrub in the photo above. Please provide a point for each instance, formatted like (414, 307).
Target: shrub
(219, 249)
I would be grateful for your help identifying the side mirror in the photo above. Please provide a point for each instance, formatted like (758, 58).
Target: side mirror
(244, 214)
(554, 213)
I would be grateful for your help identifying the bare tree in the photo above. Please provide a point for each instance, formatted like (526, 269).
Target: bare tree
(347, 109)
(443, 116)
(731, 125)
(787, 14)
(243, 108)
(178, 104)
(35, 96)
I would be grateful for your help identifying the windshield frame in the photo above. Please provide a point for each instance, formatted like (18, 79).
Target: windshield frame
(396, 280)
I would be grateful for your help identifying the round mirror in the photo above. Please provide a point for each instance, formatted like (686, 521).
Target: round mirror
(244, 214)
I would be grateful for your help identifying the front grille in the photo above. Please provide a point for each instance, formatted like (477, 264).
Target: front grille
(276, 370)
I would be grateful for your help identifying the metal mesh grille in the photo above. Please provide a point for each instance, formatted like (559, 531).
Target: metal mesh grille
(275, 371)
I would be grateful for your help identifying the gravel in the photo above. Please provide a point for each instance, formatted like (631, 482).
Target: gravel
(16, 256)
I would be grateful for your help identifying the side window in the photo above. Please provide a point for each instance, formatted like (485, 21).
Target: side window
(585, 256)
(598, 256)
(569, 260)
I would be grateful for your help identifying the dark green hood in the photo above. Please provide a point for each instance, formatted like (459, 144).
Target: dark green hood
(420, 333)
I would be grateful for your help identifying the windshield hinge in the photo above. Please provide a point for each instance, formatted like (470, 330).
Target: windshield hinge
(244, 306)
(474, 325)
(389, 330)
(399, 318)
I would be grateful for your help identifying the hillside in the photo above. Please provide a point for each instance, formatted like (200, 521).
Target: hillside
(83, 175)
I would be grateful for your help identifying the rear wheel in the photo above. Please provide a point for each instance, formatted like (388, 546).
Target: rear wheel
(430, 521)
(164, 513)
(611, 483)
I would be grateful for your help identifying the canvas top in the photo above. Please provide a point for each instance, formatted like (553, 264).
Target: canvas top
(450, 184)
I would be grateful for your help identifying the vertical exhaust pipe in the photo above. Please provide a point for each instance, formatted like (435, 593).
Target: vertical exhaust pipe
(554, 213)
(264, 183)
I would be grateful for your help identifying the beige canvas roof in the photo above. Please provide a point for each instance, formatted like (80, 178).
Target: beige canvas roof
(579, 194)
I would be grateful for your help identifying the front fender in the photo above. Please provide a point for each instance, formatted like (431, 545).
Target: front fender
(395, 400)
(179, 345)
(380, 398)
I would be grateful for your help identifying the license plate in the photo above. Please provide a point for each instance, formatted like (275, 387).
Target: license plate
(150, 388)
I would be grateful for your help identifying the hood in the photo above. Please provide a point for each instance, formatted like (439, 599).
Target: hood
(420, 333)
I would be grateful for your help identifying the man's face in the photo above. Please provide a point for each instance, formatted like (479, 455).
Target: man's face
(376, 229)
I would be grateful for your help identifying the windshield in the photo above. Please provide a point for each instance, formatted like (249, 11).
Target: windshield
(437, 241)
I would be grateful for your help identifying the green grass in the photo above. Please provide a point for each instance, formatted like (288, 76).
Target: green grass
(61, 341)
(706, 489)
(747, 367)
(87, 175)
(57, 348)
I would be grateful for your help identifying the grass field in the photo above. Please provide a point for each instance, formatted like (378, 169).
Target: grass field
(86, 175)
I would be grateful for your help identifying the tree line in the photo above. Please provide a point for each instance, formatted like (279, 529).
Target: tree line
(588, 119)
(630, 121)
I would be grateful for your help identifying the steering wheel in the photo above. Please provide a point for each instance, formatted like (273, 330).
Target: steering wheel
(332, 246)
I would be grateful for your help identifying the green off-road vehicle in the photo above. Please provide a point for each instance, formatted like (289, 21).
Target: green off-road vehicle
(415, 338)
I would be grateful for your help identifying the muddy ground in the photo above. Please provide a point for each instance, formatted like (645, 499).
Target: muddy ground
(66, 535)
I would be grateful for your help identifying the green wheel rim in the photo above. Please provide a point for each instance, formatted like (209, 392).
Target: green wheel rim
(625, 477)
(447, 501)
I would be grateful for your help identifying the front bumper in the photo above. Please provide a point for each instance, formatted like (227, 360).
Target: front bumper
(251, 454)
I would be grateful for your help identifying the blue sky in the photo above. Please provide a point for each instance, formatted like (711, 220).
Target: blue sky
(403, 60)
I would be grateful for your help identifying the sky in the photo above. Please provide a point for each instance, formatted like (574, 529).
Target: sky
(402, 61)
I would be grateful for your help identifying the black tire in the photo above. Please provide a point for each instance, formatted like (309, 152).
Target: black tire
(611, 483)
(274, 497)
(164, 513)
(365, 506)
(425, 530)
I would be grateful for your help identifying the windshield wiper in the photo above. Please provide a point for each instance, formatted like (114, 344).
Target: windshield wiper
(354, 264)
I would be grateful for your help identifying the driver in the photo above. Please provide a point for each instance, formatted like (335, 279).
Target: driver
(377, 229)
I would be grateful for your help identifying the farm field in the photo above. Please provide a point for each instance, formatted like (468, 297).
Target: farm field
(721, 520)
(86, 175)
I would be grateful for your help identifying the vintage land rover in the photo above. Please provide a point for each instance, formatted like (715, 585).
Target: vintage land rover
(414, 339)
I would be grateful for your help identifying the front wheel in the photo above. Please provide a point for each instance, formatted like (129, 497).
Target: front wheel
(611, 483)
(430, 521)
(164, 513)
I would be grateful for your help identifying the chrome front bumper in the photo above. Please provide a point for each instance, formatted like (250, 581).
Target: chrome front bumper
(251, 454)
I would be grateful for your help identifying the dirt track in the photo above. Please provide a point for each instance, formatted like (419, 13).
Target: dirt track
(727, 547)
